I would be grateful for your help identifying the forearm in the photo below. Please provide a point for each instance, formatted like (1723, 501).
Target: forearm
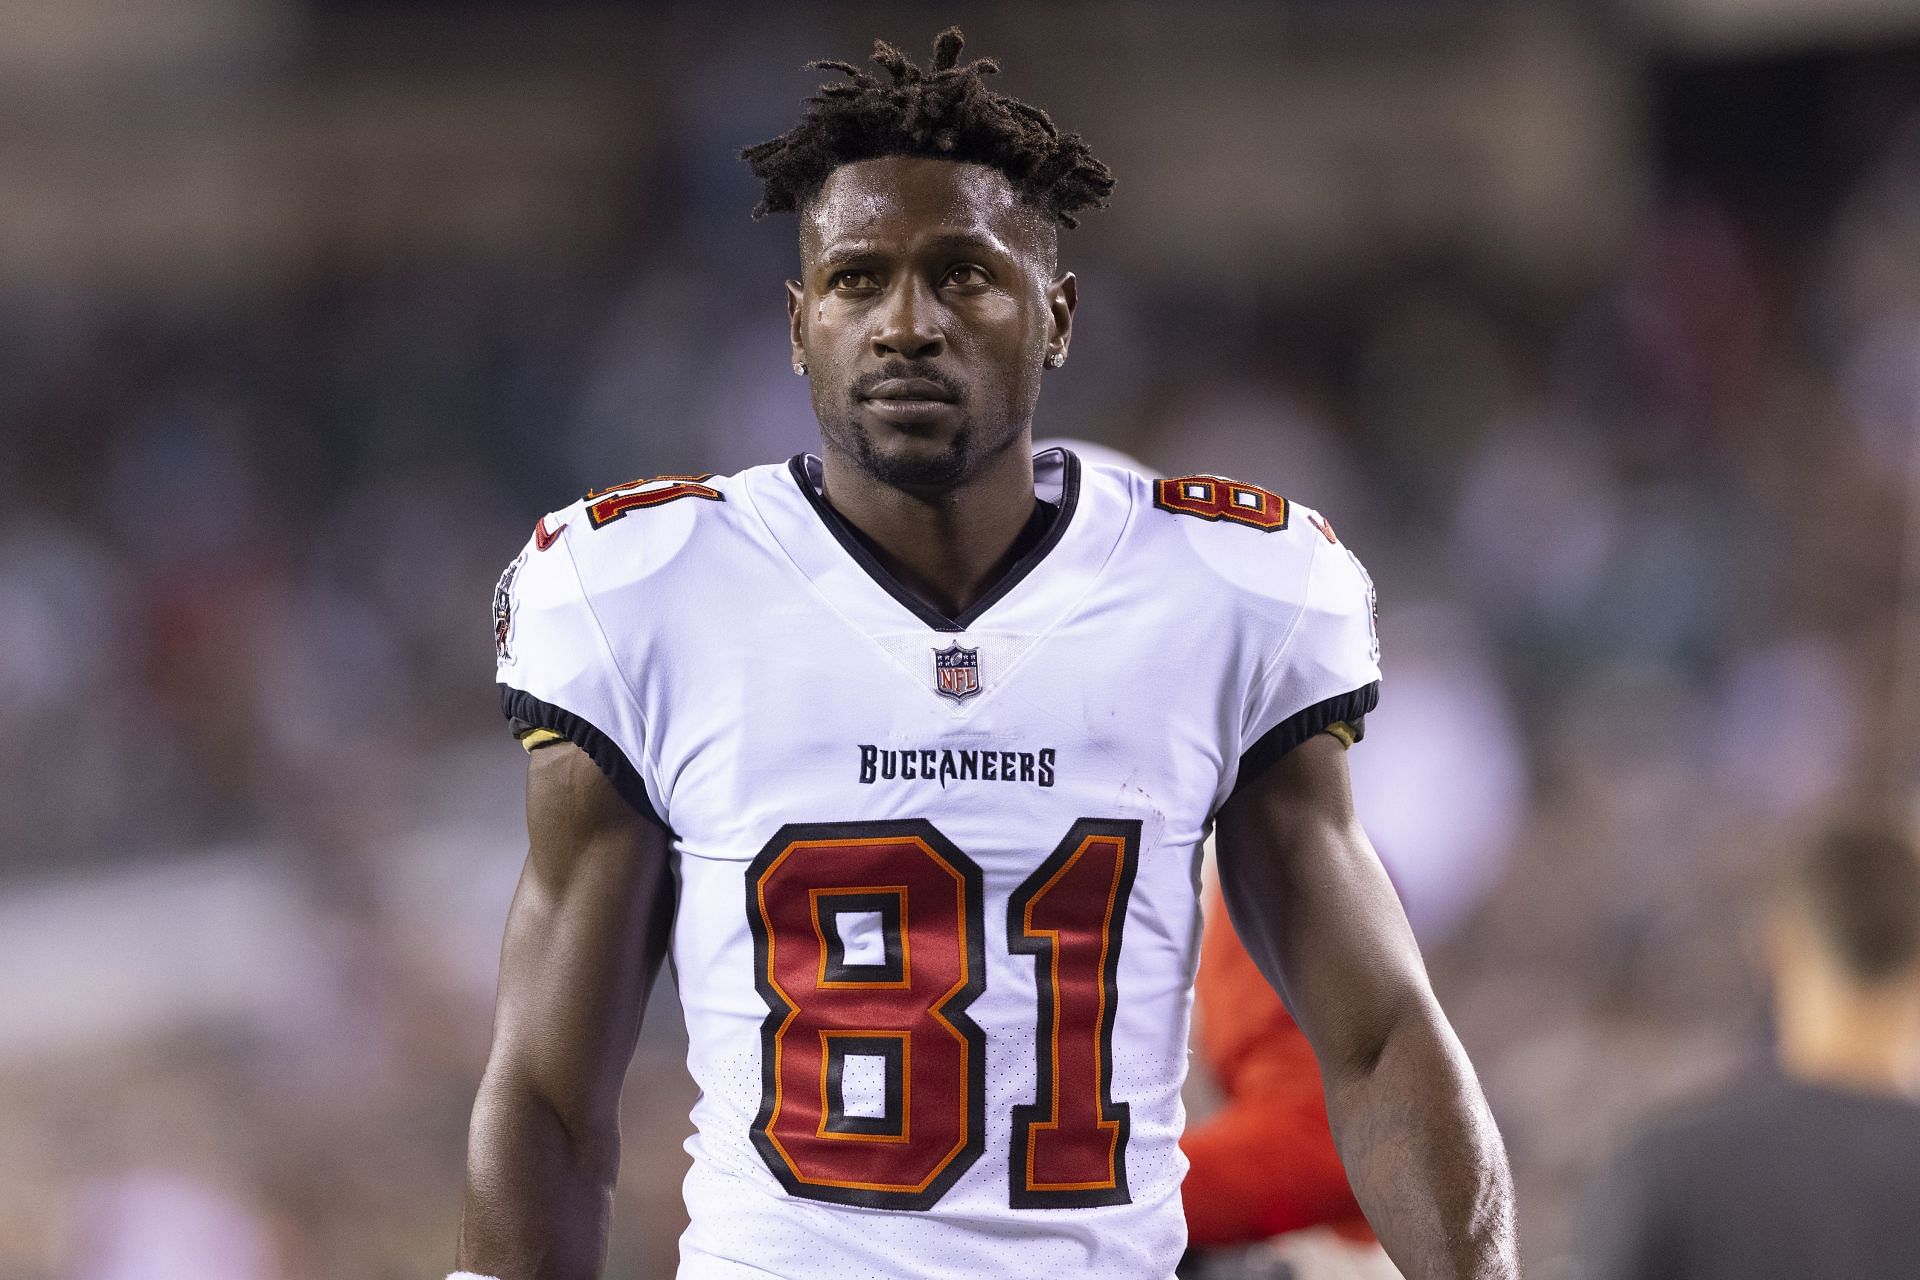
(1424, 1157)
(539, 1190)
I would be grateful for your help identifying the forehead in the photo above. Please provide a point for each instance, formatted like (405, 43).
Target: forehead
(892, 202)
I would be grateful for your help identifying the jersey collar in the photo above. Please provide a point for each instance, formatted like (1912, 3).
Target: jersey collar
(807, 477)
(1035, 589)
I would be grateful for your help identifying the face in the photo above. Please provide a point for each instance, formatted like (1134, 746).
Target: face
(925, 315)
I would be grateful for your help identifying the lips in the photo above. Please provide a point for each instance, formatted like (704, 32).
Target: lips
(909, 403)
(908, 391)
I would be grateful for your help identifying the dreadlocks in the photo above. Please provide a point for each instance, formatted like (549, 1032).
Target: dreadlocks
(947, 113)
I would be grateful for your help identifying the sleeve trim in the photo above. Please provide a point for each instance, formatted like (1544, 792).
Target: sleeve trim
(529, 715)
(1347, 710)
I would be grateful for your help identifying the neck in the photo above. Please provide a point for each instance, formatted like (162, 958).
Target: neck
(1834, 1033)
(948, 546)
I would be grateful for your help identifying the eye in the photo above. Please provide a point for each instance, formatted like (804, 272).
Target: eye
(968, 276)
(850, 281)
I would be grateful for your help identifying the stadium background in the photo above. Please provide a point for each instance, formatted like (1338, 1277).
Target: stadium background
(1595, 328)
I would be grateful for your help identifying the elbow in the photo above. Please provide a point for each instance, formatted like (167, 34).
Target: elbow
(561, 1127)
(1408, 1020)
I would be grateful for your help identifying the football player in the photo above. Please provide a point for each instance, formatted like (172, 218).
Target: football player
(904, 753)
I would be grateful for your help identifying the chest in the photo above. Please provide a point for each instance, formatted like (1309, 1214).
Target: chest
(789, 714)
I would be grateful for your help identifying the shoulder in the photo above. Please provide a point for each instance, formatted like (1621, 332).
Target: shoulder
(641, 528)
(628, 542)
(1260, 546)
(1245, 533)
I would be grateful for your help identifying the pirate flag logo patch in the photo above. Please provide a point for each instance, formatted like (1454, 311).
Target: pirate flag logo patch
(503, 610)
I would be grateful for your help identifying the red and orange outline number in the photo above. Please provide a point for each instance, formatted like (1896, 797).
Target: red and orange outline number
(1069, 1145)
(636, 495)
(1218, 498)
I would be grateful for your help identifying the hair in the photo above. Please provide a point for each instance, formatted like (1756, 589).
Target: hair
(945, 112)
(1860, 888)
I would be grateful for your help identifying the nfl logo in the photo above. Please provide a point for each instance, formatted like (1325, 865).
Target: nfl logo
(956, 672)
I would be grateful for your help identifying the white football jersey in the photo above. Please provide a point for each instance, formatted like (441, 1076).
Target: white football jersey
(938, 913)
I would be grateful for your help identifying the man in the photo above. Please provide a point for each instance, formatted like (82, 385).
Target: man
(906, 752)
(1808, 1167)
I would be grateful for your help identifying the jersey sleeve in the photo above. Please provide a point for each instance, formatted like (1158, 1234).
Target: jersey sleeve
(1325, 675)
(557, 676)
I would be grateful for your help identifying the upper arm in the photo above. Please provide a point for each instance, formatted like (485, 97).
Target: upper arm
(1315, 907)
(588, 928)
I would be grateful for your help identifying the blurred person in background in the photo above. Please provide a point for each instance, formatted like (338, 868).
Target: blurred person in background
(671, 735)
(1808, 1166)
(1263, 1170)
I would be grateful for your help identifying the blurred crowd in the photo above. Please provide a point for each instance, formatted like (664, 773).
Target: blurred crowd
(1644, 608)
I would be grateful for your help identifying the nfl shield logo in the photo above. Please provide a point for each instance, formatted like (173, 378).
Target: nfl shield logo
(956, 672)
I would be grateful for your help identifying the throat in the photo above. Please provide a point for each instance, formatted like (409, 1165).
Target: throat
(942, 574)
(948, 556)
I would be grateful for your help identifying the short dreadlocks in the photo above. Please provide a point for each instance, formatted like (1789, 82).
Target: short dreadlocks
(947, 113)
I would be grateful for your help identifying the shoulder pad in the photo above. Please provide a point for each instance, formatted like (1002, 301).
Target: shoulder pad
(1253, 537)
(633, 530)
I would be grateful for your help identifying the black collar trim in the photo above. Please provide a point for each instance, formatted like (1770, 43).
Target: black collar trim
(863, 555)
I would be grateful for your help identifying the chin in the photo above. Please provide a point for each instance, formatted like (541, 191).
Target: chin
(905, 460)
(921, 465)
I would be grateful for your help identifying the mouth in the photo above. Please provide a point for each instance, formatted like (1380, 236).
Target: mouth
(908, 400)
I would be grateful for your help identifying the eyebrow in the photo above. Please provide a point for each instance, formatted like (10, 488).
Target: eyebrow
(945, 241)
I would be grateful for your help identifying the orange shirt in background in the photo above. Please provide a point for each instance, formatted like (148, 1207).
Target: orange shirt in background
(1265, 1162)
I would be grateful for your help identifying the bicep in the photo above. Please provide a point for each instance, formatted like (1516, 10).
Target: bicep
(585, 936)
(1309, 897)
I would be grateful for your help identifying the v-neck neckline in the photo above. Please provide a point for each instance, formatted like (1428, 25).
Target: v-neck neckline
(856, 548)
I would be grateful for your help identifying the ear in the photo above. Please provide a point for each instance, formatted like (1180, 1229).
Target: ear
(796, 304)
(1063, 295)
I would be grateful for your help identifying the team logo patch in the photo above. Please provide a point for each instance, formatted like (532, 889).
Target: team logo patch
(956, 672)
(503, 609)
(1373, 606)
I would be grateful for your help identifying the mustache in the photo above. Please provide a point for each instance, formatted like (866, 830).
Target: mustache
(864, 384)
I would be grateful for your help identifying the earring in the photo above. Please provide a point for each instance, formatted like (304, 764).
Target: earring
(800, 367)
(1057, 359)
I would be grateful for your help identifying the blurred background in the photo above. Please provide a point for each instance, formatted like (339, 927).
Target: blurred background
(1594, 327)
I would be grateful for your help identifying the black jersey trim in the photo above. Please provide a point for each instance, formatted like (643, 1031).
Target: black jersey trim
(528, 712)
(863, 555)
(1350, 708)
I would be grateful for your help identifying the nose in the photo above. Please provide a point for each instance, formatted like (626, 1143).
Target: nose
(906, 324)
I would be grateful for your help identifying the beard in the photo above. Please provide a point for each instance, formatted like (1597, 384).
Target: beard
(942, 467)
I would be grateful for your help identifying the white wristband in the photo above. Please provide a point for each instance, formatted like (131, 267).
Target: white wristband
(469, 1275)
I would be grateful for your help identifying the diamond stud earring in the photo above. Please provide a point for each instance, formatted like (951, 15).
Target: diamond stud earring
(800, 368)
(1057, 359)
